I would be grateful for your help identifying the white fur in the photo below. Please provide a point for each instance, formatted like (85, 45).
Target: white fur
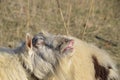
(83, 62)
(11, 68)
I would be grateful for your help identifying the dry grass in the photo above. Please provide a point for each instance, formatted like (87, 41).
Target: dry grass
(84, 19)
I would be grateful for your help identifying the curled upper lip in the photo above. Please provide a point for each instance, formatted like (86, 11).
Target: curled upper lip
(69, 46)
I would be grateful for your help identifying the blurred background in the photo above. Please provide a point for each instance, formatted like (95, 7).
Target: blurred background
(94, 21)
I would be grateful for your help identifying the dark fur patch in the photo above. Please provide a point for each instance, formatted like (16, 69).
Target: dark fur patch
(34, 77)
(109, 67)
(101, 72)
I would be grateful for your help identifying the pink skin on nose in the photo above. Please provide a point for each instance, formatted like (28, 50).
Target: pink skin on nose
(70, 46)
(71, 43)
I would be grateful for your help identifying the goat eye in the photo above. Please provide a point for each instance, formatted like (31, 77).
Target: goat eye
(66, 40)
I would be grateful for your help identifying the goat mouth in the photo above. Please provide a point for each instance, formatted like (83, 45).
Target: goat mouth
(69, 47)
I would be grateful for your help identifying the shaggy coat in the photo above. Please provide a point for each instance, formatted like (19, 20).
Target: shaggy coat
(10, 67)
(92, 63)
(16, 64)
(45, 57)
(86, 62)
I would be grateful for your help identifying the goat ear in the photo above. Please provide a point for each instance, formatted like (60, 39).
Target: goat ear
(29, 41)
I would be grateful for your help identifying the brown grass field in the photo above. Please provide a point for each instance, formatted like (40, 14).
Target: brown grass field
(95, 21)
